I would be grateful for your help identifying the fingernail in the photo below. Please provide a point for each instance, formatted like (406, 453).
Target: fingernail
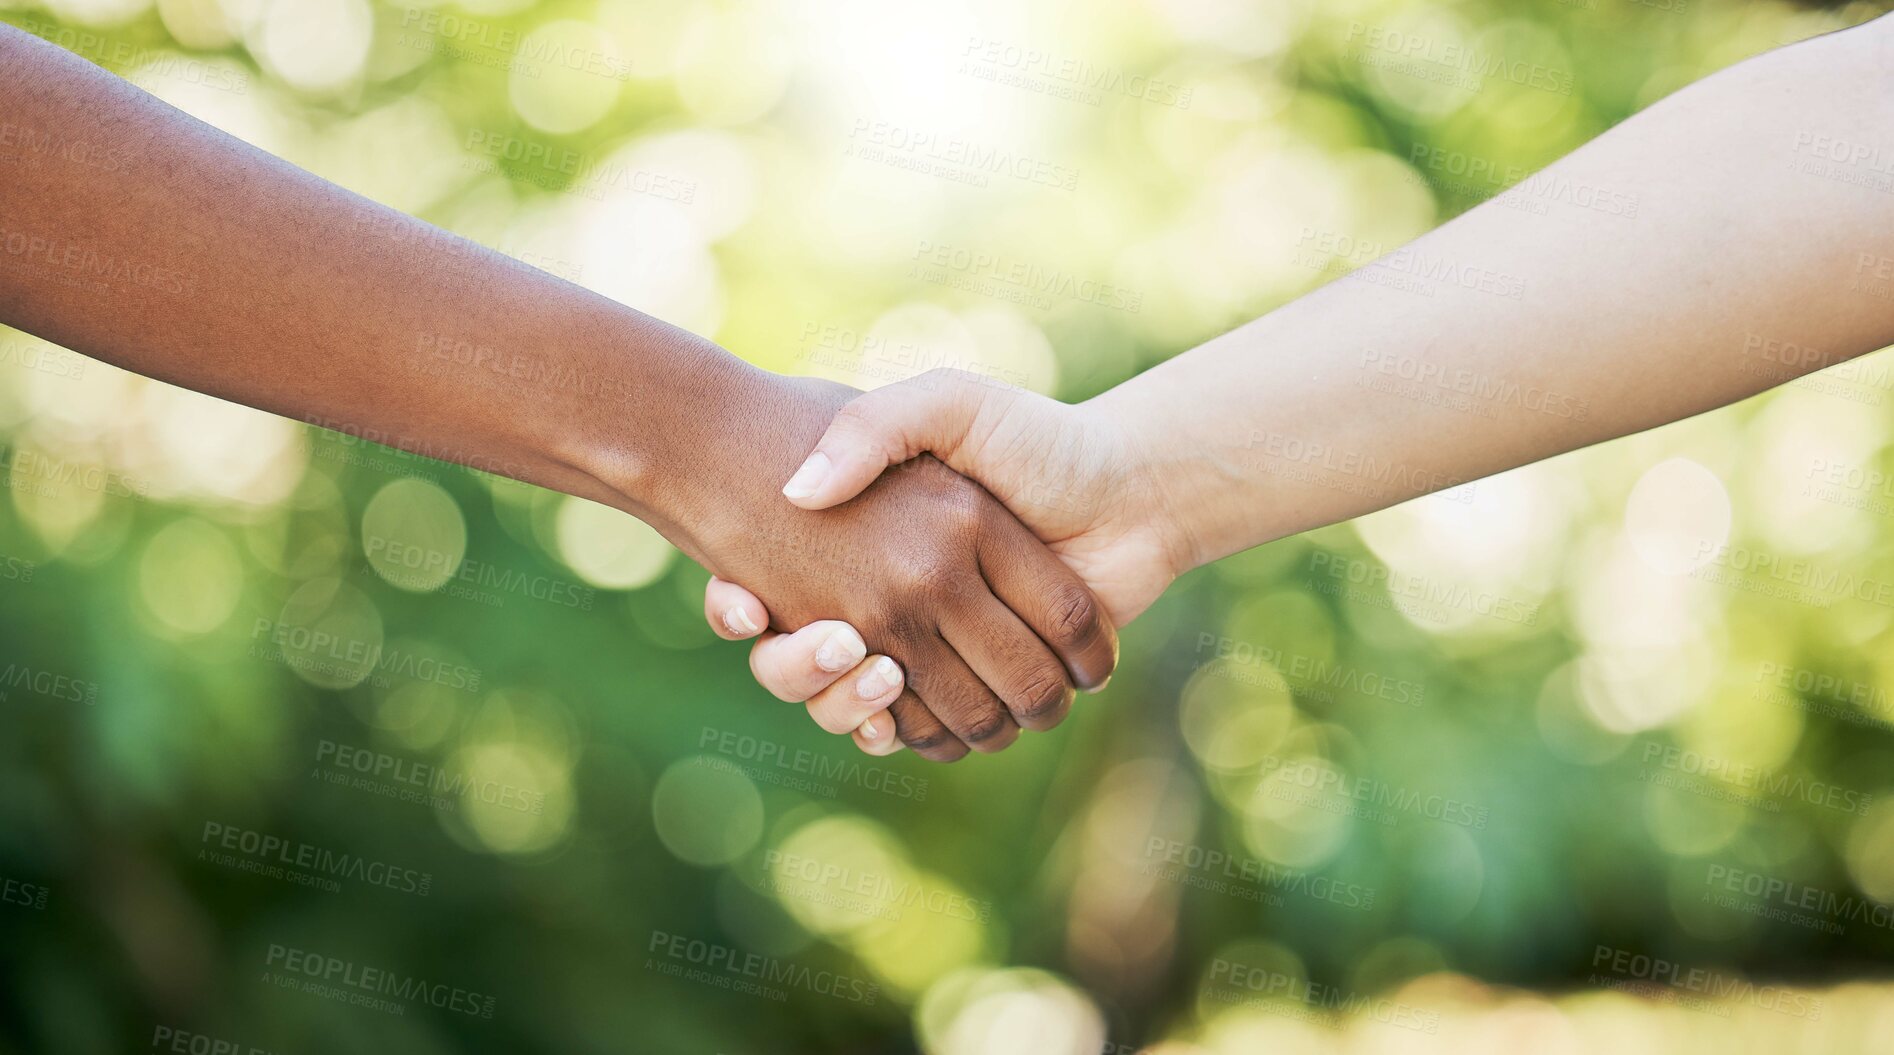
(809, 477)
(738, 621)
(881, 677)
(842, 650)
(871, 729)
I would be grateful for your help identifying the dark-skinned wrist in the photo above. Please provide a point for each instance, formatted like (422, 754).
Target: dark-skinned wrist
(713, 440)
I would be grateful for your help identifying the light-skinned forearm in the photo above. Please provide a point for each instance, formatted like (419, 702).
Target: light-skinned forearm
(1736, 253)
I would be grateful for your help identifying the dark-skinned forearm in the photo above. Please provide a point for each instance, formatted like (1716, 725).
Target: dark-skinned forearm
(137, 235)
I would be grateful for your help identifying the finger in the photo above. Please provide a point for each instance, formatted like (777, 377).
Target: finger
(1050, 599)
(865, 691)
(882, 741)
(960, 700)
(932, 412)
(1005, 654)
(917, 727)
(733, 612)
(794, 667)
(857, 696)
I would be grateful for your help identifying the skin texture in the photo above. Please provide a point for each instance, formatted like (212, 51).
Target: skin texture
(954, 585)
(1740, 240)
(1068, 473)
(198, 260)
(847, 700)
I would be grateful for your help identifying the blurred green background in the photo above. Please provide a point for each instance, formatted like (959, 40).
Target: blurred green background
(307, 745)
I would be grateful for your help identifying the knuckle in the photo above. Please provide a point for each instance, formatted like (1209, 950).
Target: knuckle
(903, 628)
(859, 423)
(1041, 697)
(956, 502)
(986, 726)
(1074, 615)
(962, 384)
(944, 379)
(769, 674)
(936, 746)
(831, 719)
(961, 514)
(922, 730)
(930, 576)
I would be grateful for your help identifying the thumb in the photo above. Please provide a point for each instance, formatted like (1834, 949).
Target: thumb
(932, 413)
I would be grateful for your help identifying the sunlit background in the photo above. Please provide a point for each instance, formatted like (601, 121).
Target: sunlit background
(307, 745)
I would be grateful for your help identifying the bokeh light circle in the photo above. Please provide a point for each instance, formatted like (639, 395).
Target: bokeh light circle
(566, 76)
(706, 811)
(1678, 516)
(329, 633)
(318, 46)
(414, 535)
(610, 549)
(190, 576)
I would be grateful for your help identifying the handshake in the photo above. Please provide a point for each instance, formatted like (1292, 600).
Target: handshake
(954, 552)
(969, 547)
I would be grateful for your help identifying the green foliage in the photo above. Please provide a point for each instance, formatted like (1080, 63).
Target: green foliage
(308, 745)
